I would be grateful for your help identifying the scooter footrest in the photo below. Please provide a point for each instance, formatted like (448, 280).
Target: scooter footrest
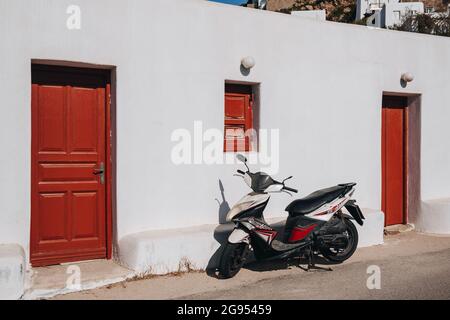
(281, 246)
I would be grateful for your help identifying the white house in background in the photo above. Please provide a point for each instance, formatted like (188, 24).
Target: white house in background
(396, 12)
(92, 110)
(387, 13)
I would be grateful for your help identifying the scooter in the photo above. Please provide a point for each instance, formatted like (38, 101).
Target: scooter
(315, 224)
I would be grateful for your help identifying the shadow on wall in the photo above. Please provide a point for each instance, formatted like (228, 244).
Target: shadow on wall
(221, 232)
(224, 207)
(244, 71)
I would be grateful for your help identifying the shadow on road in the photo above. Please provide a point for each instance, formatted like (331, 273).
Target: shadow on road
(262, 266)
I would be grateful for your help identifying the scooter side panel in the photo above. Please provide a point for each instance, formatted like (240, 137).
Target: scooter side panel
(327, 211)
(238, 236)
(251, 200)
(299, 228)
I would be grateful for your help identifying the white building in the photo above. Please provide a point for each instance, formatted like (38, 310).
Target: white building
(387, 13)
(151, 68)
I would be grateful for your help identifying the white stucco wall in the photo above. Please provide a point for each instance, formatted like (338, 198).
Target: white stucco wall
(321, 84)
(311, 14)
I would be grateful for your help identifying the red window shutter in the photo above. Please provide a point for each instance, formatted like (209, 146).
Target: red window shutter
(238, 119)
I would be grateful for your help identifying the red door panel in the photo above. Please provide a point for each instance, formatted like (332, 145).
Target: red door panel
(51, 119)
(85, 223)
(238, 119)
(393, 160)
(68, 219)
(84, 120)
(51, 205)
(235, 106)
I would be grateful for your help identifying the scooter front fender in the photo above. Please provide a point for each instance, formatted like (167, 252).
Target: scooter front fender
(238, 236)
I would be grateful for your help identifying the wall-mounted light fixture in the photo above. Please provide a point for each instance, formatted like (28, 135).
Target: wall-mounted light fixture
(248, 62)
(407, 77)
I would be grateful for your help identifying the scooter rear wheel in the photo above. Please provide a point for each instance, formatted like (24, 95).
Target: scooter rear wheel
(232, 260)
(340, 255)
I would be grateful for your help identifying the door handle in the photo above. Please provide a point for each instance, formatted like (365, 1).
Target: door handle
(100, 171)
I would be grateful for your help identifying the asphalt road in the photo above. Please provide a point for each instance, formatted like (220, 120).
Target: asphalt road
(411, 266)
(422, 276)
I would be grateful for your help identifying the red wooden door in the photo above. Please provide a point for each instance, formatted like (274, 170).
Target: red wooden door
(68, 218)
(238, 119)
(393, 160)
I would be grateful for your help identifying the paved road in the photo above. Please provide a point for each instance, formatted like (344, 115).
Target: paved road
(422, 276)
(412, 266)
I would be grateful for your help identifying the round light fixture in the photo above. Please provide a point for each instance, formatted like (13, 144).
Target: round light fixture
(248, 62)
(407, 77)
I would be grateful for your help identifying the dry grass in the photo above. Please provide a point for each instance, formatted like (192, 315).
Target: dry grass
(184, 266)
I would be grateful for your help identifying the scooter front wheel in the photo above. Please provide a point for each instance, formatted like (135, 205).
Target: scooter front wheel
(232, 260)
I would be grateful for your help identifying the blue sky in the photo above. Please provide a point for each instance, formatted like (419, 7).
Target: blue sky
(230, 1)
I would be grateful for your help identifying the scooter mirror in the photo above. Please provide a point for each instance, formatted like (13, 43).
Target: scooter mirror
(241, 158)
(290, 177)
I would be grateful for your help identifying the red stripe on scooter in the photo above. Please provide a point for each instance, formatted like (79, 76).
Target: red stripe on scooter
(270, 233)
(300, 233)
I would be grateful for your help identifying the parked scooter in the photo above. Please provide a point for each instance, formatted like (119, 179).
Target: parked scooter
(315, 224)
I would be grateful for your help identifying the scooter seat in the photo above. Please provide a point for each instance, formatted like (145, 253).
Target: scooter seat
(317, 199)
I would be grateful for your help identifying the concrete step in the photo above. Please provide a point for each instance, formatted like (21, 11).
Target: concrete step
(64, 278)
(12, 271)
(398, 228)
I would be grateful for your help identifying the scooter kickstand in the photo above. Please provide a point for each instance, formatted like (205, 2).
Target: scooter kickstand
(311, 263)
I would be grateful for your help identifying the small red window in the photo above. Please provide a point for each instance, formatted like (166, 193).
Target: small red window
(238, 117)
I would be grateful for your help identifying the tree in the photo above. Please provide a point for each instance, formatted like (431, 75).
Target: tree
(436, 24)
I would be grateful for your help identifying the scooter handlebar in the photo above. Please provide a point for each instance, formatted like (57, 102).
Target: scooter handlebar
(290, 189)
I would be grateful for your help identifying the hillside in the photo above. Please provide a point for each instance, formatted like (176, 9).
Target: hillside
(337, 10)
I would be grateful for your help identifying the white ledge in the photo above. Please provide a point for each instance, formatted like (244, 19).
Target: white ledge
(12, 271)
(434, 216)
(165, 251)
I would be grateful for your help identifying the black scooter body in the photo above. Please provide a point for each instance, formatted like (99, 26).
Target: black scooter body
(293, 236)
